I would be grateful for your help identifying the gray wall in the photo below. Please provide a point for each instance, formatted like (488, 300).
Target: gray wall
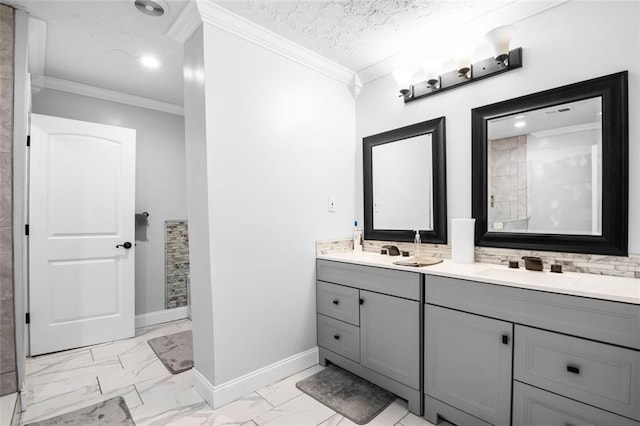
(8, 375)
(160, 175)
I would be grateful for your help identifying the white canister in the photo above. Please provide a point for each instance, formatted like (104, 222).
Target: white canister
(462, 240)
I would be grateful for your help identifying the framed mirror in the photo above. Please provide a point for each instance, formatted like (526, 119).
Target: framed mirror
(550, 170)
(404, 183)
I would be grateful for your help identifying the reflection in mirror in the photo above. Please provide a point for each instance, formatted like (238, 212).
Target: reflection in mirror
(550, 169)
(544, 170)
(402, 184)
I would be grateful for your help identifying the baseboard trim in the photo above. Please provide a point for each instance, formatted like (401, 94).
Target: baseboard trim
(217, 396)
(159, 317)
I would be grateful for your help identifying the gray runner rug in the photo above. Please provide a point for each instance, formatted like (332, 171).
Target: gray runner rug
(113, 411)
(175, 351)
(349, 395)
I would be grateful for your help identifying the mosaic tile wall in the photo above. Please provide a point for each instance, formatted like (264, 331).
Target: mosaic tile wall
(618, 266)
(8, 375)
(176, 263)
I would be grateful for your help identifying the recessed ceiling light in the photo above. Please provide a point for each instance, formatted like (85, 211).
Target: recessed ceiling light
(151, 7)
(149, 61)
(519, 124)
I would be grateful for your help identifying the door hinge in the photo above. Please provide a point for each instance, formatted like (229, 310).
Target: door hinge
(27, 318)
(28, 140)
(26, 230)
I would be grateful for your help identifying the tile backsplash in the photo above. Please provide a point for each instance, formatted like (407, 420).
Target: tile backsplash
(618, 266)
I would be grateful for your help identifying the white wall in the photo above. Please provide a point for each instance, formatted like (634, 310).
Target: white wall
(567, 44)
(279, 141)
(160, 175)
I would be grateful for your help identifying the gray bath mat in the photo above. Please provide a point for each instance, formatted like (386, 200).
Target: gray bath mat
(113, 411)
(349, 395)
(175, 351)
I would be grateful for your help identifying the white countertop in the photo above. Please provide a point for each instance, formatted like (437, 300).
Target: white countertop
(585, 285)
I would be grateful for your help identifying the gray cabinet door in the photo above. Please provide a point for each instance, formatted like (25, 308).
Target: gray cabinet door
(389, 337)
(468, 363)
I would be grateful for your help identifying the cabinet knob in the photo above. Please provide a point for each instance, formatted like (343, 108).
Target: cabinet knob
(336, 302)
(505, 339)
(336, 336)
(573, 369)
(361, 301)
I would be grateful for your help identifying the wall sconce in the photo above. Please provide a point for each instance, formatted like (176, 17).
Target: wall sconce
(500, 38)
(463, 60)
(403, 79)
(432, 71)
(466, 72)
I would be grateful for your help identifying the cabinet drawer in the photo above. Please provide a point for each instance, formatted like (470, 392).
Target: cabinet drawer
(339, 337)
(595, 373)
(602, 320)
(338, 301)
(381, 280)
(536, 407)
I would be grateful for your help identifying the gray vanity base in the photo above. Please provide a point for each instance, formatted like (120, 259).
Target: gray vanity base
(435, 410)
(412, 396)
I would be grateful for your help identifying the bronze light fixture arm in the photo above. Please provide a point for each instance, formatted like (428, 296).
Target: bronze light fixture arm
(479, 70)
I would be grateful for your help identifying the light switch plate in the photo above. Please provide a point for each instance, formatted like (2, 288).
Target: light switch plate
(332, 204)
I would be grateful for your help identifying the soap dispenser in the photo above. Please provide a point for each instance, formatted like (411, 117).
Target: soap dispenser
(416, 244)
(357, 237)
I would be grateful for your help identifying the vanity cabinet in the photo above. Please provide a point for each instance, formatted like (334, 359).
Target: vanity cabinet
(468, 364)
(558, 360)
(369, 323)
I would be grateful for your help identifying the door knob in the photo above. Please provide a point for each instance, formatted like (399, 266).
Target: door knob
(126, 245)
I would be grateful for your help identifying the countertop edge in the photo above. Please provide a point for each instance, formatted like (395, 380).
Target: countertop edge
(583, 285)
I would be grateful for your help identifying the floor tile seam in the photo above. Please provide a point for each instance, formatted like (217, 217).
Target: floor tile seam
(264, 399)
(332, 414)
(288, 400)
(135, 386)
(180, 410)
(404, 417)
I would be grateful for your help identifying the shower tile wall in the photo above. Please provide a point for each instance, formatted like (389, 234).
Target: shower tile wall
(507, 164)
(8, 377)
(176, 263)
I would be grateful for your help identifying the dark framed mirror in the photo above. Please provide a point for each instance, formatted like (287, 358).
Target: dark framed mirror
(550, 169)
(404, 183)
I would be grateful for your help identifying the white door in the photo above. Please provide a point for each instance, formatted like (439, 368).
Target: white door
(81, 212)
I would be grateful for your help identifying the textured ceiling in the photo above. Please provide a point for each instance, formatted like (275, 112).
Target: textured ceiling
(361, 33)
(97, 42)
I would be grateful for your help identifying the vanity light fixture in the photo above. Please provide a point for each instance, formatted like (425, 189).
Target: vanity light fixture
(431, 70)
(466, 72)
(403, 79)
(500, 38)
(463, 60)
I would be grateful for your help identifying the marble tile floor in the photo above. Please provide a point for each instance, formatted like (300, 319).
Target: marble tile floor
(65, 381)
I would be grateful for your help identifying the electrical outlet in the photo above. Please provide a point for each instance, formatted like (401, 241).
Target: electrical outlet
(332, 204)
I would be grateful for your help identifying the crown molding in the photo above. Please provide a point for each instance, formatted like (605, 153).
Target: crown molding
(228, 21)
(108, 95)
(187, 22)
(514, 12)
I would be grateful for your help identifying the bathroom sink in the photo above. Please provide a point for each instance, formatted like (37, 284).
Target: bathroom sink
(528, 277)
